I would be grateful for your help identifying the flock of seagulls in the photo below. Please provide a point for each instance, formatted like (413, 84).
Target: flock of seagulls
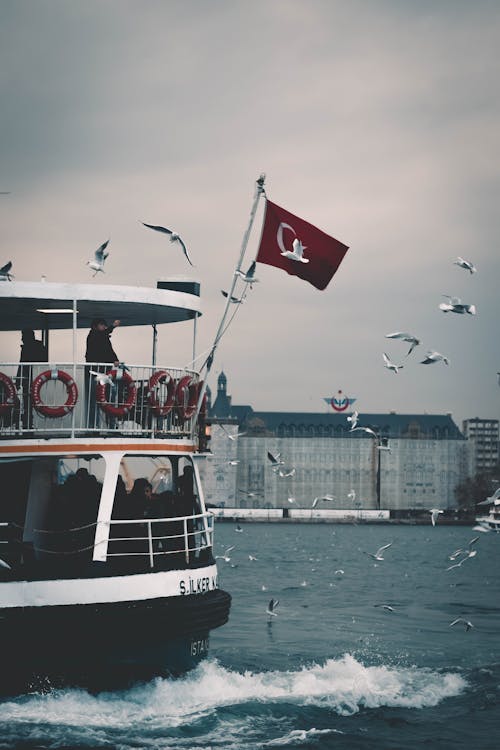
(454, 305)
(96, 263)
(378, 556)
(466, 554)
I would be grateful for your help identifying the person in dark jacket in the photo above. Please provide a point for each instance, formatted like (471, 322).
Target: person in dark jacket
(99, 347)
(99, 350)
(32, 350)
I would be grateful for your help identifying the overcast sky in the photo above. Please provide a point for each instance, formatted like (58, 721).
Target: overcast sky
(379, 122)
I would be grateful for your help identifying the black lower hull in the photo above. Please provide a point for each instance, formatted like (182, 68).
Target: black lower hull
(107, 646)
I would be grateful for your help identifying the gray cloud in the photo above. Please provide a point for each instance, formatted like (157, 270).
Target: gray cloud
(377, 122)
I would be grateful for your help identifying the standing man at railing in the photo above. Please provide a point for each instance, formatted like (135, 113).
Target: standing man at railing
(32, 350)
(99, 350)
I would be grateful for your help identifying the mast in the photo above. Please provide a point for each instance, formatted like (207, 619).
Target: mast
(259, 191)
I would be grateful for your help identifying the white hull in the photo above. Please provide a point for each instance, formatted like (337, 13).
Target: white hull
(110, 590)
(489, 523)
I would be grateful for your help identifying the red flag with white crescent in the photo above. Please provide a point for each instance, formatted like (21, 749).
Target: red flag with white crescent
(299, 248)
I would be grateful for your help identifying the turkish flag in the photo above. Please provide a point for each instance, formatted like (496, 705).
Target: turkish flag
(298, 247)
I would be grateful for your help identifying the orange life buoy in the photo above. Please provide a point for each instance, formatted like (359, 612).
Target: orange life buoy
(10, 398)
(127, 404)
(71, 390)
(158, 378)
(186, 397)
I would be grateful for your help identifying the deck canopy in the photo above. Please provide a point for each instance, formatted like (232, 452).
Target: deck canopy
(37, 305)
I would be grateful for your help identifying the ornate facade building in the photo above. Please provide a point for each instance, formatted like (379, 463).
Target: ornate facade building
(414, 461)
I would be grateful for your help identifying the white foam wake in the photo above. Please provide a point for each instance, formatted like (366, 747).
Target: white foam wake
(344, 685)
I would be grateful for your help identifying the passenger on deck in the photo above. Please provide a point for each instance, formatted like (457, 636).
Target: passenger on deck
(32, 350)
(186, 492)
(99, 350)
(140, 497)
(121, 503)
(99, 347)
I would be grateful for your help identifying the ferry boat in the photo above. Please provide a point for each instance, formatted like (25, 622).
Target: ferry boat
(107, 570)
(491, 522)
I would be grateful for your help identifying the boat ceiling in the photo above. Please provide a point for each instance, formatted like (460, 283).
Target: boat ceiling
(21, 302)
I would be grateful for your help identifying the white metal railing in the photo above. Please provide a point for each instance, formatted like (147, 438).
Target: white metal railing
(132, 403)
(150, 538)
(189, 535)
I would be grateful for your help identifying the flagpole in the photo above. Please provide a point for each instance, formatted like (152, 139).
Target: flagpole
(259, 191)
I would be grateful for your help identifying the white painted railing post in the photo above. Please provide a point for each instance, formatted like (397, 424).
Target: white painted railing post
(186, 540)
(150, 542)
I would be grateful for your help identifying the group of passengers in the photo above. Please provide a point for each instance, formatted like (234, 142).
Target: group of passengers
(98, 350)
(142, 503)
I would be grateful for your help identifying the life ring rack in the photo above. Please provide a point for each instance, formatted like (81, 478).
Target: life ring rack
(10, 398)
(129, 401)
(158, 378)
(54, 411)
(186, 397)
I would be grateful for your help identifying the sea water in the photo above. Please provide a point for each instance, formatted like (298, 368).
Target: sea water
(332, 669)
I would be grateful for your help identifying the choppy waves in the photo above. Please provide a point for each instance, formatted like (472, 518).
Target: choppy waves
(344, 686)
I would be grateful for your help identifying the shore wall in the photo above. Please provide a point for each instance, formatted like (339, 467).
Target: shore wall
(307, 515)
(301, 515)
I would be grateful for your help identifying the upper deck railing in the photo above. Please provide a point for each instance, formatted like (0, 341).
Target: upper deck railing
(76, 400)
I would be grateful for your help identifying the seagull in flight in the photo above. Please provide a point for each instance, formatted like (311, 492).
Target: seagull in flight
(234, 300)
(285, 472)
(353, 419)
(378, 554)
(465, 264)
(387, 607)
(325, 498)
(4, 564)
(97, 265)
(275, 459)
(233, 462)
(232, 437)
(248, 494)
(404, 337)
(390, 365)
(469, 553)
(103, 379)
(365, 429)
(253, 559)
(249, 276)
(225, 556)
(433, 357)
(290, 499)
(435, 513)
(271, 607)
(174, 237)
(297, 254)
(351, 495)
(5, 274)
(467, 625)
(456, 305)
